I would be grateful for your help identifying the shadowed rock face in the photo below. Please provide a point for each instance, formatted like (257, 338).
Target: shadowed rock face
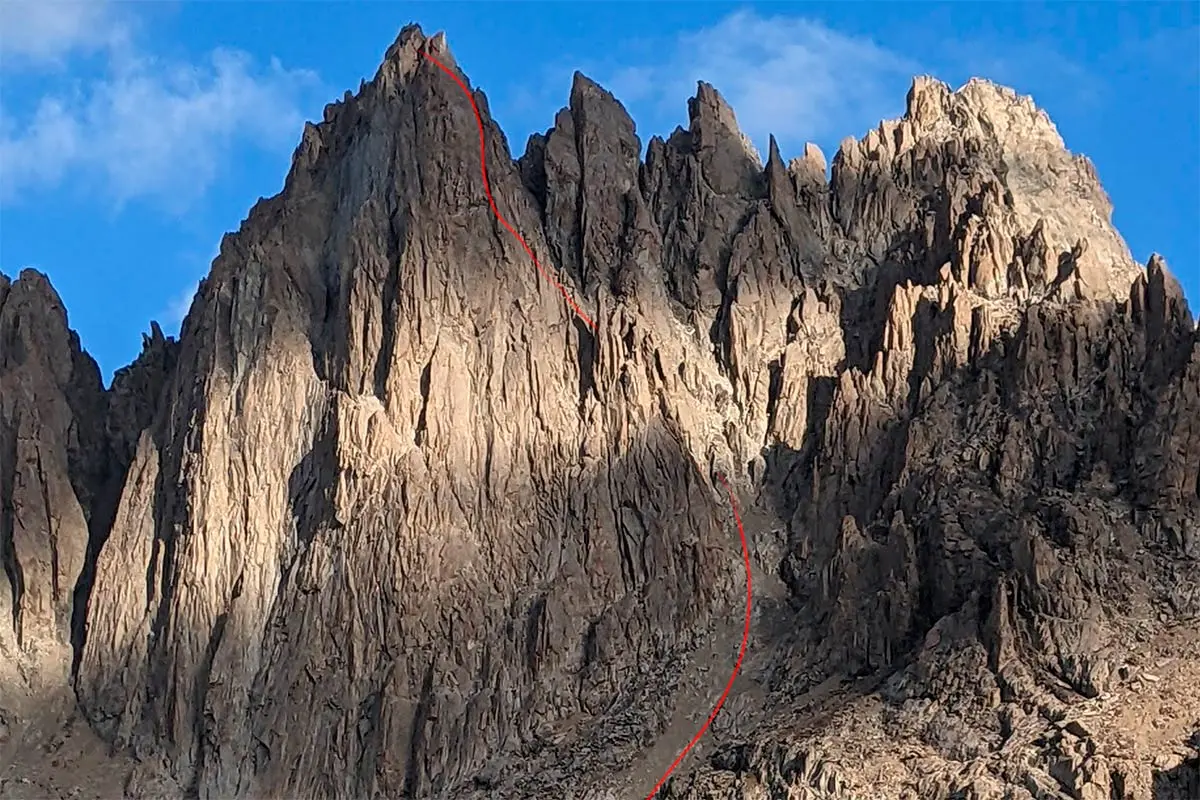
(388, 520)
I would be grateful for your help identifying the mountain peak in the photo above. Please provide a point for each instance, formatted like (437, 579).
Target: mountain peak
(405, 55)
(388, 466)
(712, 119)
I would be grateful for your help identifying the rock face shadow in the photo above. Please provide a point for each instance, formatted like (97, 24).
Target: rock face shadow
(1181, 782)
(974, 580)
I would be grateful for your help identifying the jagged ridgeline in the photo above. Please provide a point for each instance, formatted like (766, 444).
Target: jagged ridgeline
(387, 520)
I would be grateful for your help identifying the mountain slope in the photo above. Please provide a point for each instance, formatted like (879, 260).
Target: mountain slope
(390, 520)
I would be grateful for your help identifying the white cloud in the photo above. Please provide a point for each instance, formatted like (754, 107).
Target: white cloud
(44, 32)
(144, 127)
(789, 76)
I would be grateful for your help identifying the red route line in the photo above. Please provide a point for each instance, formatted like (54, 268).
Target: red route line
(741, 653)
(487, 188)
(588, 320)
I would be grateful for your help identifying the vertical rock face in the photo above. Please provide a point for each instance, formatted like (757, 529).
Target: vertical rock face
(52, 408)
(389, 520)
(63, 454)
(393, 472)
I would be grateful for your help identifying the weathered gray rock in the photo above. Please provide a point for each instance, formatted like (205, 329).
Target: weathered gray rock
(390, 520)
(52, 408)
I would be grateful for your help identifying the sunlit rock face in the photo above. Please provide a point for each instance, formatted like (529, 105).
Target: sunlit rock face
(390, 520)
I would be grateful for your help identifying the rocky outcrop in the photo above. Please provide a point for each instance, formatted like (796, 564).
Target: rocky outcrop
(52, 460)
(63, 456)
(389, 519)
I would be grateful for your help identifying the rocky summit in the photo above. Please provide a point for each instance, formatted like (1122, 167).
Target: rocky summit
(388, 519)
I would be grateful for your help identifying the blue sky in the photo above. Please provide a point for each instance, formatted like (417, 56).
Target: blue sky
(134, 135)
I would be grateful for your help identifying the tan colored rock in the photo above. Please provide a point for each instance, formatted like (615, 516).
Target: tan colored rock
(390, 520)
(52, 454)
